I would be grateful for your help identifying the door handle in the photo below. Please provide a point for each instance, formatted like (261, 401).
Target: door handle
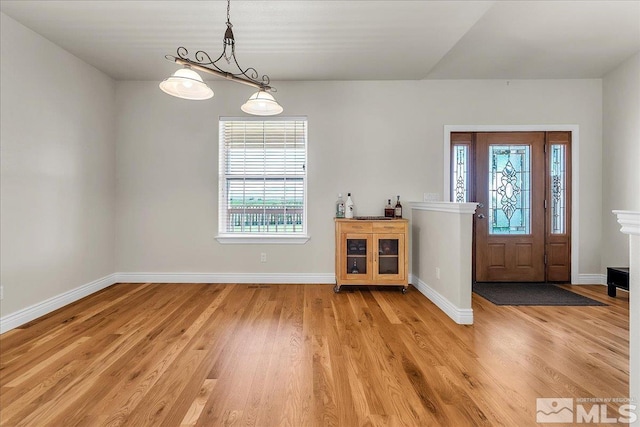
(480, 205)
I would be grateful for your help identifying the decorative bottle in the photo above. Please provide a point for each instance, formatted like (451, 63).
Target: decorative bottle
(340, 206)
(348, 213)
(398, 209)
(389, 212)
(354, 269)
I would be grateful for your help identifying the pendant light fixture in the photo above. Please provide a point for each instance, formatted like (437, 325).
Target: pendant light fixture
(186, 83)
(261, 103)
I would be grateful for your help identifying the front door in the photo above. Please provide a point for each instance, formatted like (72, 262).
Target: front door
(510, 219)
(522, 183)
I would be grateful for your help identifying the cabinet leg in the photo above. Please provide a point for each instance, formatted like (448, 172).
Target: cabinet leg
(336, 289)
(404, 289)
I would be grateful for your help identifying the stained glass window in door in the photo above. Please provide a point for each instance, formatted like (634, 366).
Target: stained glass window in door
(509, 189)
(460, 187)
(558, 188)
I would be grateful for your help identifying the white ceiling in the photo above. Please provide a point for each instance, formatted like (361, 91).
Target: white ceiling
(347, 40)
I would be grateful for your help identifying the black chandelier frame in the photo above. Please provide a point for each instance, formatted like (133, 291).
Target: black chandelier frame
(202, 62)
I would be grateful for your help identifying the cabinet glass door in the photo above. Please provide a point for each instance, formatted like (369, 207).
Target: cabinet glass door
(390, 250)
(357, 252)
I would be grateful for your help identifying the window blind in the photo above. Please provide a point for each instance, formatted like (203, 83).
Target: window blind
(262, 176)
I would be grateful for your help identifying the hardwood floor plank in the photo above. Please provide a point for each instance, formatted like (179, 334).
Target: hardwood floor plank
(44, 404)
(235, 366)
(286, 398)
(155, 408)
(301, 355)
(160, 347)
(387, 307)
(53, 358)
(262, 359)
(31, 351)
(193, 414)
(388, 351)
(317, 328)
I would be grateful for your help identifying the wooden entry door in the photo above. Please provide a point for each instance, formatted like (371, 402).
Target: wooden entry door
(510, 219)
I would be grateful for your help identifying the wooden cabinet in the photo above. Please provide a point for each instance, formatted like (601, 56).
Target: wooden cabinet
(372, 252)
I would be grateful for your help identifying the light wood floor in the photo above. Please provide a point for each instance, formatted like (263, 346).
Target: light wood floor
(300, 355)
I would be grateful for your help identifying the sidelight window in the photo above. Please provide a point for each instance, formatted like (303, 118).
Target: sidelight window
(557, 163)
(460, 187)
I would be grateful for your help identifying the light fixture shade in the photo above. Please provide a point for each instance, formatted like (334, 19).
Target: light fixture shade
(262, 103)
(187, 84)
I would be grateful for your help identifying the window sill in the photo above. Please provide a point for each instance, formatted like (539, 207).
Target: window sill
(272, 239)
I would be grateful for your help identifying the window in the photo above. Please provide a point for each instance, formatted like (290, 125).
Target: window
(460, 172)
(558, 164)
(461, 167)
(510, 189)
(262, 186)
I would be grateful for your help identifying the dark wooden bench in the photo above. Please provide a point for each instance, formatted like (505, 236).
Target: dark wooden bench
(617, 277)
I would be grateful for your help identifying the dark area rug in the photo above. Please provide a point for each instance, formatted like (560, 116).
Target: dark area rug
(530, 294)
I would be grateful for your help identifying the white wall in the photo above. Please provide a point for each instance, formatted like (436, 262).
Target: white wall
(374, 139)
(630, 225)
(442, 244)
(57, 169)
(634, 320)
(620, 157)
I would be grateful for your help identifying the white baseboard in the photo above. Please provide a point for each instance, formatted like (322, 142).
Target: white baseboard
(462, 316)
(28, 314)
(591, 279)
(286, 278)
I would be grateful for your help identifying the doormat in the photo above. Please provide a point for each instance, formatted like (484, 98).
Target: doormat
(530, 294)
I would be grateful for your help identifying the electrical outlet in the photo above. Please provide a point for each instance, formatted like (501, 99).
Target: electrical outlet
(263, 257)
(437, 272)
(431, 197)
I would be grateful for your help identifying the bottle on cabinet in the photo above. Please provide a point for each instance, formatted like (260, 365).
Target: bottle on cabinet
(340, 207)
(389, 211)
(398, 209)
(349, 207)
(354, 268)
